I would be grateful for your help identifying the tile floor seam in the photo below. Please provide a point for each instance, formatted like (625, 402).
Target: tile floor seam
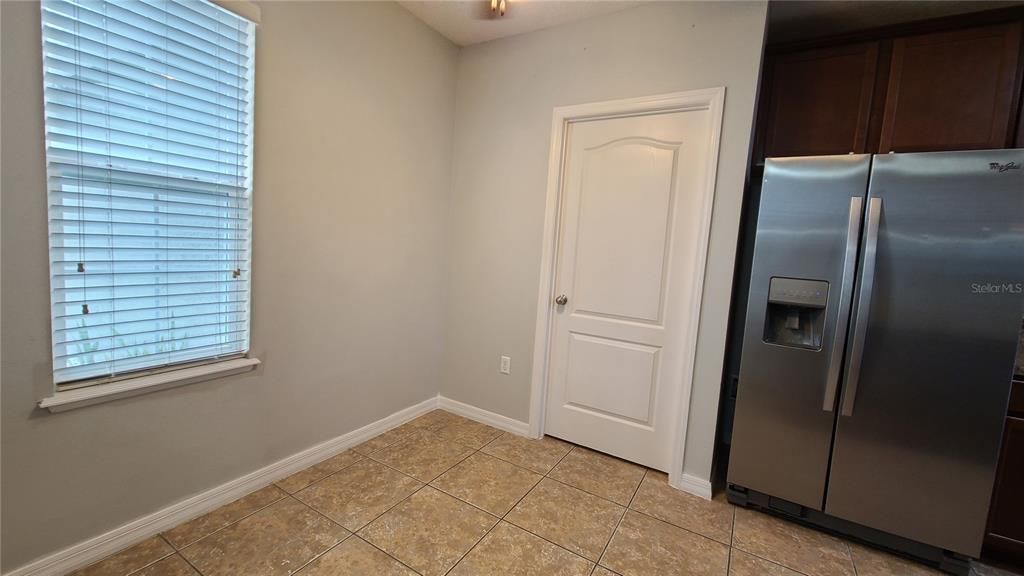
(769, 560)
(567, 452)
(141, 568)
(475, 450)
(229, 524)
(793, 570)
(473, 547)
(189, 562)
(853, 563)
(527, 530)
(388, 554)
(563, 483)
(732, 536)
(410, 496)
(504, 518)
(390, 467)
(642, 513)
(318, 480)
(392, 507)
(464, 501)
(477, 543)
(544, 474)
(316, 556)
(621, 517)
(498, 437)
(375, 518)
(319, 513)
(531, 532)
(354, 534)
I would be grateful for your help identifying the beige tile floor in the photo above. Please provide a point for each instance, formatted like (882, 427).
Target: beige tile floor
(446, 495)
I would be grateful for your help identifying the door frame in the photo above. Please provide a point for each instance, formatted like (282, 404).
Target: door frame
(711, 99)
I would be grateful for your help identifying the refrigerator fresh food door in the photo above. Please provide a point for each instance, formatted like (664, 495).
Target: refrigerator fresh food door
(931, 347)
(805, 255)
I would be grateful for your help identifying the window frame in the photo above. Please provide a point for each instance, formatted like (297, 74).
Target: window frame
(134, 381)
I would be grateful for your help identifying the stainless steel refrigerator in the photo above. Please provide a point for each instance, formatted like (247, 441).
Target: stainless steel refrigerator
(885, 306)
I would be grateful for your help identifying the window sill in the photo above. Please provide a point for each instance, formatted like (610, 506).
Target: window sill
(89, 395)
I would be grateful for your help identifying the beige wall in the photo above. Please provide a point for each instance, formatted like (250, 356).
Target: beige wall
(367, 228)
(354, 113)
(506, 92)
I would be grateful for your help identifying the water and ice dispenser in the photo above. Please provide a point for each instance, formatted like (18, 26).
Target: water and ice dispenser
(796, 312)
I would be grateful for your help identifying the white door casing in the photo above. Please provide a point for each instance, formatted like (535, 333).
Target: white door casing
(630, 192)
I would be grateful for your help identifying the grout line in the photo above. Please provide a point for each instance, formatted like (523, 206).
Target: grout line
(773, 562)
(317, 556)
(528, 492)
(732, 538)
(354, 533)
(141, 568)
(685, 529)
(284, 493)
(386, 553)
(322, 478)
(189, 562)
(489, 530)
(621, 518)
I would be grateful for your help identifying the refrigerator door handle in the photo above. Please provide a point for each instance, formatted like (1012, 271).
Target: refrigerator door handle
(860, 327)
(835, 358)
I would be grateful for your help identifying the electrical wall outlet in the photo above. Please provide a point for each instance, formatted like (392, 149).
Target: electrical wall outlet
(506, 365)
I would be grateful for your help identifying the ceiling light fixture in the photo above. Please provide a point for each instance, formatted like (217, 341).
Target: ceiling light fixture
(498, 6)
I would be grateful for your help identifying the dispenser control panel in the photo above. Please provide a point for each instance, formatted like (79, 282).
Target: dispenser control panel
(798, 292)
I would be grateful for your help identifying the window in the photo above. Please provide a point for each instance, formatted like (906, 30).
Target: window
(149, 169)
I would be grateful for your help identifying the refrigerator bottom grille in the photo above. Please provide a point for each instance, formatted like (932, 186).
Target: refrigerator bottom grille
(944, 560)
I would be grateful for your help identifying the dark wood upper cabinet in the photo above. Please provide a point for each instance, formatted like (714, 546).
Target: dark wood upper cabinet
(819, 101)
(952, 90)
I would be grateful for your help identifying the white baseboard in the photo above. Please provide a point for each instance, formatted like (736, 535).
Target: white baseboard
(94, 549)
(693, 485)
(484, 416)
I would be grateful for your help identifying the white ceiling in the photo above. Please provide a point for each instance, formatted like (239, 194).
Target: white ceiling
(466, 22)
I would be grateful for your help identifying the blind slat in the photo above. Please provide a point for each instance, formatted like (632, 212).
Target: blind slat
(132, 106)
(103, 319)
(121, 17)
(137, 133)
(71, 171)
(161, 347)
(112, 73)
(63, 72)
(95, 332)
(149, 159)
(150, 335)
(68, 309)
(94, 48)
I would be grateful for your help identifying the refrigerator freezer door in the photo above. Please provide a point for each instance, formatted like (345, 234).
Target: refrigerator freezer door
(932, 341)
(808, 227)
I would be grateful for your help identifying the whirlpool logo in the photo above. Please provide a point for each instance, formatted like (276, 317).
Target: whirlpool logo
(1003, 167)
(997, 288)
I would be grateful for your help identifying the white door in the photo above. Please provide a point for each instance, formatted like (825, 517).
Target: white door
(627, 264)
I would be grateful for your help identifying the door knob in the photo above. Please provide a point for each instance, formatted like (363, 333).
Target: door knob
(561, 300)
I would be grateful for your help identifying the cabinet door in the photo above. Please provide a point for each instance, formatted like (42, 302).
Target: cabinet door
(952, 90)
(820, 100)
(1006, 519)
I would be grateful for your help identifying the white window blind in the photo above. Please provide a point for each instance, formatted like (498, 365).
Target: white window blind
(149, 167)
